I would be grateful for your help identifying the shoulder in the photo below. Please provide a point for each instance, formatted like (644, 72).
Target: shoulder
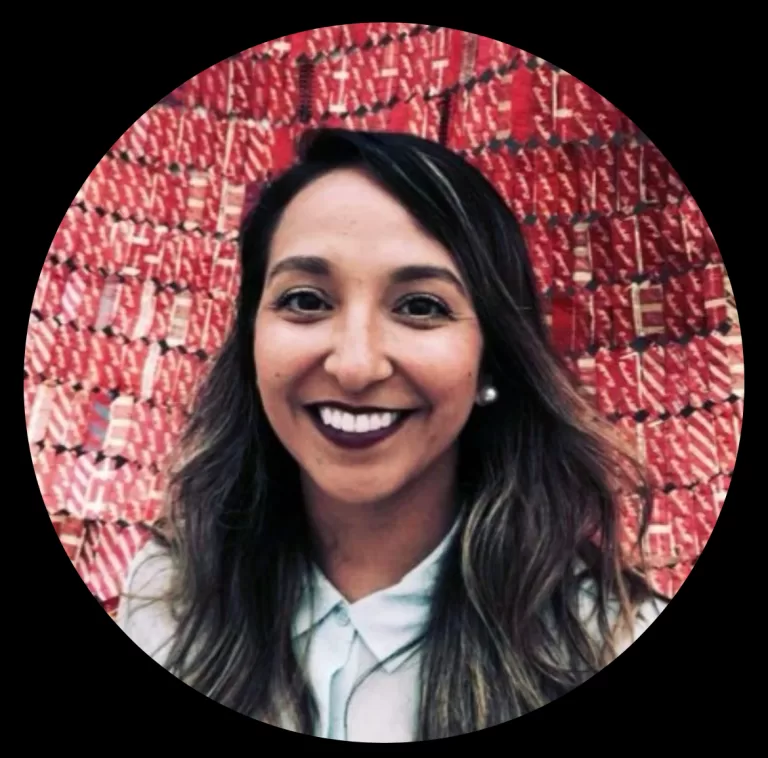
(143, 613)
(643, 616)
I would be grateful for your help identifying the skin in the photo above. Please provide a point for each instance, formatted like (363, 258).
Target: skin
(350, 337)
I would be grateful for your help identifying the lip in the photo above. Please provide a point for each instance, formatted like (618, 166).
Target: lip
(355, 440)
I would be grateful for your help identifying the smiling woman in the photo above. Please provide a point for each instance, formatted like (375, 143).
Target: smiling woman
(358, 547)
(376, 328)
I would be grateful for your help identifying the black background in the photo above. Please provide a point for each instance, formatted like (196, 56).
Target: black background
(81, 684)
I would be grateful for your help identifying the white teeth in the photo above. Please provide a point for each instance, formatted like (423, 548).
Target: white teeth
(362, 423)
(358, 423)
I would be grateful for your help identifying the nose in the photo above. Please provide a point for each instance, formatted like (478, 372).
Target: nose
(358, 358)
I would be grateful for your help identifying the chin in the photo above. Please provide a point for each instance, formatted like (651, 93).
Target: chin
(359, 496)
(358, 492)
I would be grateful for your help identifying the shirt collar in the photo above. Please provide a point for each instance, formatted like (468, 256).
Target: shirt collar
(386, 620)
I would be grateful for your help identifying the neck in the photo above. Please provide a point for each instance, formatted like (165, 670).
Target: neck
(365, 547)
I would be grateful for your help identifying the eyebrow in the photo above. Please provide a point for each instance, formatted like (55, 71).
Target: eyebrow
(316, 266)
(306, 264)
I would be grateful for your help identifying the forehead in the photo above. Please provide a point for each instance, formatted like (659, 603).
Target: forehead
(345, 213)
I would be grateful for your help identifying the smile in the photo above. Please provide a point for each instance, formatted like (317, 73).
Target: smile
(356, 428)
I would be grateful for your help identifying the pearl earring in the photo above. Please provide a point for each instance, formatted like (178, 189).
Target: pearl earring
(487, 395)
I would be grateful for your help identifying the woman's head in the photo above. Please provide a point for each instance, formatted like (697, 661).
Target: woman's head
(382, 272)
(367, 348)
(372, 273)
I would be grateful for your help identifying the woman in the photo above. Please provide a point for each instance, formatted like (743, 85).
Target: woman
(392, 517)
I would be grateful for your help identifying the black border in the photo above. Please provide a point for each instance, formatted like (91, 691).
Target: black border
(83, 682)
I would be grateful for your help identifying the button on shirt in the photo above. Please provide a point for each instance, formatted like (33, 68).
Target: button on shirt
(364, 683)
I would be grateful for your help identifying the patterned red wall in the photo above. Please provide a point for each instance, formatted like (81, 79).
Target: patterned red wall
(135, 295)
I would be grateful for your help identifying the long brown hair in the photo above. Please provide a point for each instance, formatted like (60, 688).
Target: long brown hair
(539, 476)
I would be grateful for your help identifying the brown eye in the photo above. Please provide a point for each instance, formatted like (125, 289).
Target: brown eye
(302, 301)
(423, 307)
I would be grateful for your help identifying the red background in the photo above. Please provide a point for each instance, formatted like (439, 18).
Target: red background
(135, 295)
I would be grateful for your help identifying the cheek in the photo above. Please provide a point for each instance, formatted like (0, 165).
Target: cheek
(447, 367)
(281, 354)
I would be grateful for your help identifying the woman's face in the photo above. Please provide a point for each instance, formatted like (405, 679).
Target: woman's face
(367, 348)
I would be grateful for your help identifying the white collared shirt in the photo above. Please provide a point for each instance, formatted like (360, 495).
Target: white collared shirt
(347, 641)
(344, 643)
